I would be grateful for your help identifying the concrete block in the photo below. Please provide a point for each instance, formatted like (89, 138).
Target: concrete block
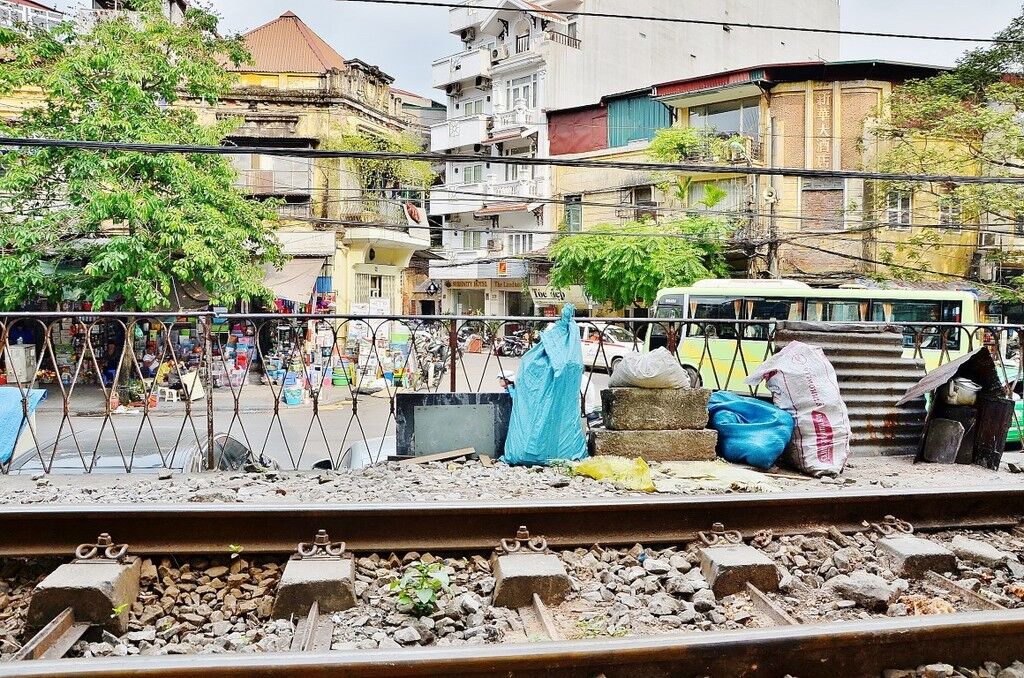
(517, 576)
(94, 590)
(727, 569)
(330, 582)
(913, 556)
(975, 551)
(656, 445)
(655, 409)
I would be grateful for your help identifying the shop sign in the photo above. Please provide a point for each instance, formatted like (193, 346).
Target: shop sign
(550, 296)
(503, 268)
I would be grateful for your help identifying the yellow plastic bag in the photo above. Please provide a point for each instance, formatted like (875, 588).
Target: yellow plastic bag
(633, 474)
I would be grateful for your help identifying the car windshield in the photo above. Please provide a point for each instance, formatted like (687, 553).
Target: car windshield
(618, 334)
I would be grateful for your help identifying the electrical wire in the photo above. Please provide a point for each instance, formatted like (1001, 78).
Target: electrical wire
(698, 22)
(507, 160)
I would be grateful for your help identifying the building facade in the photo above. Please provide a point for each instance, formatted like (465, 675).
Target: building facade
(526, 58)
(811, 116)
(350, 244)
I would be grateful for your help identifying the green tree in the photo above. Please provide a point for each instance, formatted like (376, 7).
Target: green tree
(116, 225)
(628, 264)
(966, 121)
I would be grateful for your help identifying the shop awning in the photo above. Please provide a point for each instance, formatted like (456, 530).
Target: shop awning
(506, 207)
(296, 280)
(511, 135)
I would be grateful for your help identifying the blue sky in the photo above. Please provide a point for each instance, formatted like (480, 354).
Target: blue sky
(404, 40)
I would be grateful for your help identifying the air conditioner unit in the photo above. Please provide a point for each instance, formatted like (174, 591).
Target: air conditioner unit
(495, 245)
(500, 52)
(483, 82)
(646, 209)
(468, 35)
(478, 148)
(989, 241)
(454, 89)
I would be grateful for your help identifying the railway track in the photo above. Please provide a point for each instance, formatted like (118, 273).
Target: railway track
(182, 529)
(782, 636)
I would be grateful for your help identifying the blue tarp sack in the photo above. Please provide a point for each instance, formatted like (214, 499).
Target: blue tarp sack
(546, 424)
(12, 417)
(750, 431)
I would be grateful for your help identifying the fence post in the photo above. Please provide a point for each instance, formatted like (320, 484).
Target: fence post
(211, 462)
(453, 347)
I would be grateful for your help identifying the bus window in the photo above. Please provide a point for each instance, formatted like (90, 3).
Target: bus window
(668, 308)
(769, 309)
(921, 312)
(834, 311)
(715, 308)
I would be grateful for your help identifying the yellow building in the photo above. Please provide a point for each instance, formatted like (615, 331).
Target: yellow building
(298, 92)
(810, 115)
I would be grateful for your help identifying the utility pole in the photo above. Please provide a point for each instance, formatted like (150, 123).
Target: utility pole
(773, 200)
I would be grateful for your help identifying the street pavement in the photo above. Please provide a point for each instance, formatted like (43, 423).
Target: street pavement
(294, 436)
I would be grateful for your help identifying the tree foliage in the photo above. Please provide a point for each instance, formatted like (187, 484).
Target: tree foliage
(966, 121)
(376, 174)
(630, 268)
(116, 225)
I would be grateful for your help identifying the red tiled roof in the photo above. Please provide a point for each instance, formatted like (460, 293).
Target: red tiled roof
(288, 45)
(534, 7)
(502, 208)
(35, 5)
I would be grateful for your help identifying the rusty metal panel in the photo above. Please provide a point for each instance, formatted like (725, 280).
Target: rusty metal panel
(873, 375)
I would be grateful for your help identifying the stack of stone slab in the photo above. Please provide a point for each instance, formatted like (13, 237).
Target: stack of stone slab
(655, 424)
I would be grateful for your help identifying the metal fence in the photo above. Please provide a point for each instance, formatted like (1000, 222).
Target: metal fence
(109, 392)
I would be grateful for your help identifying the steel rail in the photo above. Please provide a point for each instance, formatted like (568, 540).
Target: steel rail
(185, 529)
(844, 649)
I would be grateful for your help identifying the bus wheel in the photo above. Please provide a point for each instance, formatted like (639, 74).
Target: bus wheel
(694, 375)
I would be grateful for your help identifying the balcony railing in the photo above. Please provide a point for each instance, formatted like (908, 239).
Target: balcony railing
(519, 188)
(462, 67)
(458, 132)
(562, 39)
(522, 44)
(517, 117)
(274, 182)
(88, 18)
(457, 198)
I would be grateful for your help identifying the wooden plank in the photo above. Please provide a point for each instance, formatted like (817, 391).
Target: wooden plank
(440, 456)
(974, 597)
(55, 639)
(537, 621)
(769, 608)
(486, 461)
(305, 630)
(545, 618)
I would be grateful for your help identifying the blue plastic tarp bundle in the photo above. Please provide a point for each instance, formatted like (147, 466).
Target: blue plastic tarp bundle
(750, 431)
(12, 417)
(546, 425)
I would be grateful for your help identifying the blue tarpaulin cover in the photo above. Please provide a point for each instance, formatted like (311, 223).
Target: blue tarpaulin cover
(546, 425)
(12, 417)
(750, 431)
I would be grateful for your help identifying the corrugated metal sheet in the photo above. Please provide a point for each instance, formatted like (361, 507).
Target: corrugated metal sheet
(873, 375)
(635, 119)
(578, 130)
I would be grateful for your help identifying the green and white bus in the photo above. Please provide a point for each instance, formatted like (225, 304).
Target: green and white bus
(720, 354)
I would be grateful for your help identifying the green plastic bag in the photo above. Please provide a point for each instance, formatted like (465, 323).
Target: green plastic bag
(633, 474)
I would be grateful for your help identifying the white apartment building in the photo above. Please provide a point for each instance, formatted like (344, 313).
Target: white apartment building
(518, 62)
(20, 13)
